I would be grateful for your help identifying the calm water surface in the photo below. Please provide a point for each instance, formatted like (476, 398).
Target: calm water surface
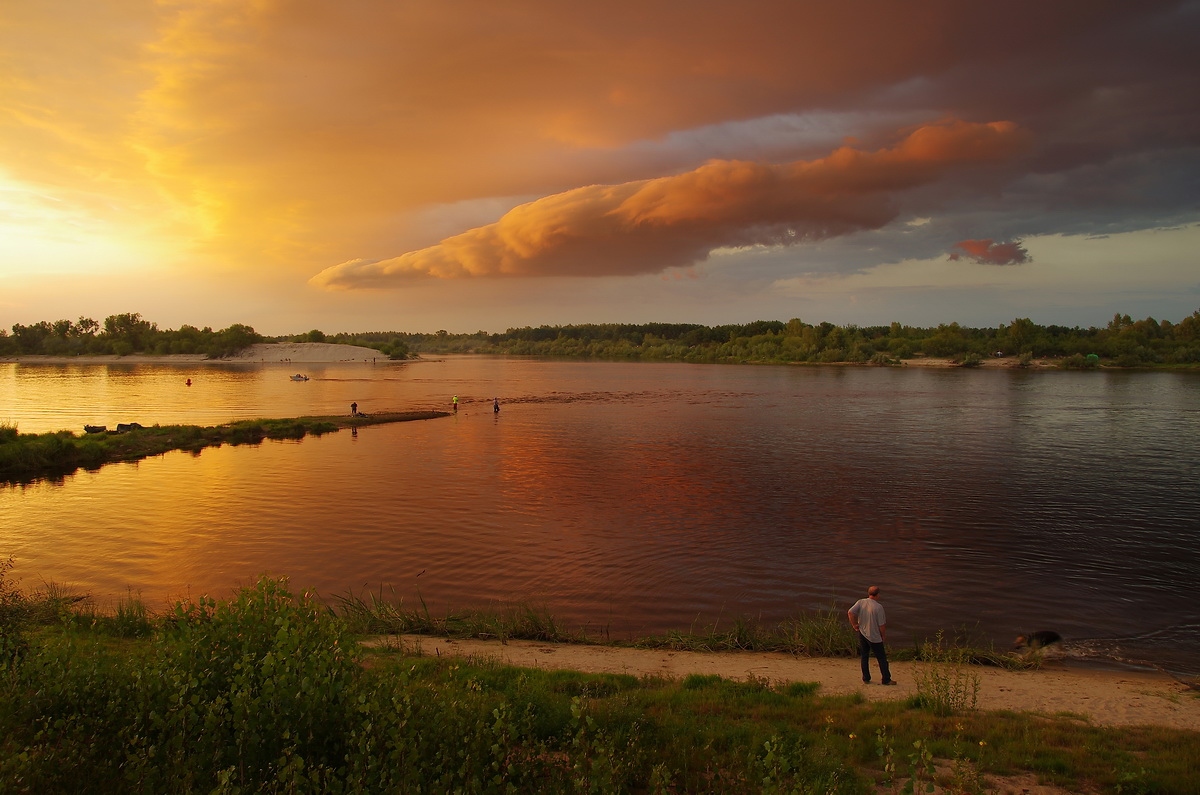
(646, 497)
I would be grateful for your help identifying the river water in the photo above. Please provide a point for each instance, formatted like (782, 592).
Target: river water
(639, 497)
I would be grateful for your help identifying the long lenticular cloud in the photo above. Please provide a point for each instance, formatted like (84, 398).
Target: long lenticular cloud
(651, 225)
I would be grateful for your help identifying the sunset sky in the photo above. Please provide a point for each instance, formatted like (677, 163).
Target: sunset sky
(415, 165)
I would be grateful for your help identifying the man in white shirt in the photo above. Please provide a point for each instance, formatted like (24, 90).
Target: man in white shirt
(870, 622)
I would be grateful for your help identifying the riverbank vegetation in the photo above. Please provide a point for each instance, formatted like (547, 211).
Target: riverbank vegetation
(122, 335)
(270, 691)
(1123, 342)
(822, 633)
(25, 457)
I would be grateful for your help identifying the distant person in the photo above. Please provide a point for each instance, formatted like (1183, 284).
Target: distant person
(353, 409)
(454, 400)
(870, 622)
(495, 405)
(189, 382)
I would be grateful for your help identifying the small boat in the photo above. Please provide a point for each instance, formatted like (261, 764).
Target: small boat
(299, 377)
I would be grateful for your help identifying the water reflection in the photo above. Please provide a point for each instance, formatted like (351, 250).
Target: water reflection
(647, 497)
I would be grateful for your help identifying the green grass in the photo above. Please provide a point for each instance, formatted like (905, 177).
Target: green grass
(374, 614)
(25, 457)
(269, 691)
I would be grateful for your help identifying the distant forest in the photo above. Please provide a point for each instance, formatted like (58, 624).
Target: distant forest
(1124, 342)
(122, 335)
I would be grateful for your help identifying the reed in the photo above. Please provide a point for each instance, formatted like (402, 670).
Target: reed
(819, 633)
(371, 613)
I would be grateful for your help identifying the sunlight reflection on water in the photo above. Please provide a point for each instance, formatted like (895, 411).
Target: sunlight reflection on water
(642, 497)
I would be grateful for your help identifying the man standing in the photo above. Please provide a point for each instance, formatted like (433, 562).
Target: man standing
(870, 622)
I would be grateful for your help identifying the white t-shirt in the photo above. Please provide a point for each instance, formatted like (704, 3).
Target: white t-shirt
(871, 617)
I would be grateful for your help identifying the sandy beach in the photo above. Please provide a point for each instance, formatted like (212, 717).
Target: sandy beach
(1103, 697)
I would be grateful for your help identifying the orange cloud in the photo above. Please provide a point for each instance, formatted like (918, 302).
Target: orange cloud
(987, 252)
(651, 225)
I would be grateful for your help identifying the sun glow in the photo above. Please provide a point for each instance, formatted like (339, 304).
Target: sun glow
(42, 233)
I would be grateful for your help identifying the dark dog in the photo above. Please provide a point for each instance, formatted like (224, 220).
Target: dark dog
(1037, 640)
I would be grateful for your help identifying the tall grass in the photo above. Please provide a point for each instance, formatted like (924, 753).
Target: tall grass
(371, 613)
(821, 633)
(945, 684)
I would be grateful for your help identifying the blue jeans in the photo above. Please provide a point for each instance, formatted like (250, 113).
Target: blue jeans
(865, 649)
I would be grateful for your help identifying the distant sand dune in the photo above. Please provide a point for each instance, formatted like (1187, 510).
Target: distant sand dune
(305, 352)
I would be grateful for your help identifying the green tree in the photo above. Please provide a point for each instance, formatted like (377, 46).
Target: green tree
(1020, 335)
(136, 334)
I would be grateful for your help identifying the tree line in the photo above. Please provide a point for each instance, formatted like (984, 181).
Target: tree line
(1123, 342)
(122, 335)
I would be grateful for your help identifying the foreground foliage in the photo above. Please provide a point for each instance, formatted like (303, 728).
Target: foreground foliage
(27, 456)
(269, 692)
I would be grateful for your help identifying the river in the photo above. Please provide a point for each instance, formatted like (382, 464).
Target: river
(638, 497)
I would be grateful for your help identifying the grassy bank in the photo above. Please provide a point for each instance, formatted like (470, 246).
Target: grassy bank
(821, 633)
(270, 691)
(25, 457)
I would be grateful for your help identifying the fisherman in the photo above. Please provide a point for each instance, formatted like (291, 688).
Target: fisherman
(454, 400)
(354, 409)
(496, 405)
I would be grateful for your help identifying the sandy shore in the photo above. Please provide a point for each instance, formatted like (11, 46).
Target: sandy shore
(1103, 697)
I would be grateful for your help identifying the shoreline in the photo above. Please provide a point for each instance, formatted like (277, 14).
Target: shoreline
(260, 353)
(1102, 697)
(289, 355)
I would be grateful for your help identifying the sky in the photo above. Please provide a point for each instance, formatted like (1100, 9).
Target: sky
(417, 165)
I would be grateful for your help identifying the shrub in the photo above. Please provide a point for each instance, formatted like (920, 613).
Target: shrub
(970, 360)
(1077, 361)
(252, 684)
(14, 617)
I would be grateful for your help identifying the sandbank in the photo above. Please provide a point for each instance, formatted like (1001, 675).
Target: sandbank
(1102, 697)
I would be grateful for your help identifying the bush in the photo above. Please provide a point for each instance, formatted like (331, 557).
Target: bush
(1077, 361)
(14, 618)
(970, 360)
(251, 685)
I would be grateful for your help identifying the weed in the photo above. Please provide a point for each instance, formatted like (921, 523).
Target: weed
(944, 683)
(921, 769)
